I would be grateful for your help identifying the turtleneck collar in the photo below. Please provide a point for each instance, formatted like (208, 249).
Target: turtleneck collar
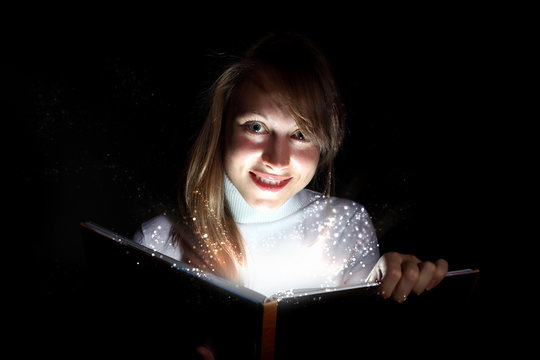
(245, 214)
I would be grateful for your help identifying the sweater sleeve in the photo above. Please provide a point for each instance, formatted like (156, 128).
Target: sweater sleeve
(362, 248)
(156, 235)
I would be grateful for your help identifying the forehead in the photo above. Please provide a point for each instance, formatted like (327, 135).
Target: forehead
(258, 97)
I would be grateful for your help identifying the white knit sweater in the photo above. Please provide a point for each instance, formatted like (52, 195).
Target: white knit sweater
(309, 242)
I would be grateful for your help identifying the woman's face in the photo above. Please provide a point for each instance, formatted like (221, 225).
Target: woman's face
(266, 156)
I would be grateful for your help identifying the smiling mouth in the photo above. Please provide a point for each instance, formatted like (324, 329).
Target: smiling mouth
(269, 182)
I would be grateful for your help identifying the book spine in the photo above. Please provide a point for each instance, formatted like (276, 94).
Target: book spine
(268, 330)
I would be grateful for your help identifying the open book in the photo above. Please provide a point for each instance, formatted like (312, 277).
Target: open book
(233, 319)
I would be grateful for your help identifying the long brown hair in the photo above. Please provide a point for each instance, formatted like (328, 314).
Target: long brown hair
(299, 72)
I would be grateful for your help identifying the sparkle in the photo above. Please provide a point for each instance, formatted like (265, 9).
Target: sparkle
(330, 242)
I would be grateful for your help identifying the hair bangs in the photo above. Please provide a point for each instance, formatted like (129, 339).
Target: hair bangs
(313, 104)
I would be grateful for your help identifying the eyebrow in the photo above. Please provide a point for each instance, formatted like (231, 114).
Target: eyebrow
(248, 112)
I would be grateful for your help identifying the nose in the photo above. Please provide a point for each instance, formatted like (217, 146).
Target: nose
(277, 154)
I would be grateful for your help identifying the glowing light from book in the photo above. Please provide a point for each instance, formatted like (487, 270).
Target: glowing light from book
(284, 271)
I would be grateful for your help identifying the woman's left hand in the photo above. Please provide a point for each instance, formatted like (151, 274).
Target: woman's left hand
(399, 274)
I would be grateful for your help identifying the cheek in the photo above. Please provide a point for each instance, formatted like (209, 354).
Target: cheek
(306, 161)
(240, 150)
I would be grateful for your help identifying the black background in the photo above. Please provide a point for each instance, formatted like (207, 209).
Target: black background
(107, 103)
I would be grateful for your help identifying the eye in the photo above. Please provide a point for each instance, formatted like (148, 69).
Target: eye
(255, 127)
(299, 136)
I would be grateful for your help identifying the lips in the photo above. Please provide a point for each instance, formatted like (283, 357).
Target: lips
(269, 182)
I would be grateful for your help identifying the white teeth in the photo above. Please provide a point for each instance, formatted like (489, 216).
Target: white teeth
(266, 181)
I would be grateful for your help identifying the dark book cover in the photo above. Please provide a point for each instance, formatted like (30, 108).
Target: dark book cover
(186, 307)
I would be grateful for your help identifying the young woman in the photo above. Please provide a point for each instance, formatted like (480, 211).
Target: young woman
(274, 126)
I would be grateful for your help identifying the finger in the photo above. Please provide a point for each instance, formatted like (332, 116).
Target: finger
(407, 257)
(427, 271)
(389, 266)
(375, 275)
(205, 353)
(379, 270)
(409, 277)
(440, 272)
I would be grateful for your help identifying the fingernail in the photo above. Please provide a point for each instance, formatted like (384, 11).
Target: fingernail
(402, 299)
(382, 294)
